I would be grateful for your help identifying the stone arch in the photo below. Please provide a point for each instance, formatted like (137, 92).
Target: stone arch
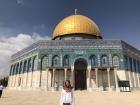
(81, 57)
(104, 60)
(115, 60)
(93, 60)
(66, 60)
(44, 62)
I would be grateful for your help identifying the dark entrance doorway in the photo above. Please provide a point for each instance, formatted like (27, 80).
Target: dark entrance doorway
(80, 67)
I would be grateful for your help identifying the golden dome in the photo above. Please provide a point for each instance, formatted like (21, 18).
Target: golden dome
(76, 24)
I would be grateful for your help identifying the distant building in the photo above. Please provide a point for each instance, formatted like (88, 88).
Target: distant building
(76, 52)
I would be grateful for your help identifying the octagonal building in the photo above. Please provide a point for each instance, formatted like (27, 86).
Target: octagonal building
(77, 52)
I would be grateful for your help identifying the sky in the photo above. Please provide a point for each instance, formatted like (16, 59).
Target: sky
(22, 22)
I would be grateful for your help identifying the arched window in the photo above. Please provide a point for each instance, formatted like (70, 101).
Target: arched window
(66, 60)
(93, 60)
(20, 69)
(17, 68)
(44, 63)
(56, 61)
(34, 67)
(25, 66)
(115, 60)
(104, 61)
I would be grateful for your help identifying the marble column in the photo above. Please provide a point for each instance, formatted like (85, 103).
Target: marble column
(108, 78)
(96, 73)
(32, 62)
(89, 79)
(133, 73)
(14, 83)
(134, 79)
(65, 73)
(137, 74)
(9, 79)
(17, 75)
(138, 79)
(26, 73)
(116, 79)
(130, 80)
(11, 83)
(47, 78)
(72, 77)
(53, 79)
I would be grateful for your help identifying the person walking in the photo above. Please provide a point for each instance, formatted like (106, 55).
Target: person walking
(67, 94)
(1, 90)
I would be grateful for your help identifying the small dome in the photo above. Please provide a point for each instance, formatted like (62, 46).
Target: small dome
(76, 24)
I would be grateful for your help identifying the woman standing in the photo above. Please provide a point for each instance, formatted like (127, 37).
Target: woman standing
(67, 95)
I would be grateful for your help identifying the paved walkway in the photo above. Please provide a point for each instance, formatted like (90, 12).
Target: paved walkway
(82, 98)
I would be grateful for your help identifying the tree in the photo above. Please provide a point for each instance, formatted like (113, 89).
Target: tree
(4, 81)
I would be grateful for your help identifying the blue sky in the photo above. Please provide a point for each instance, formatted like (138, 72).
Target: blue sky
(23, 22)
(117, 19)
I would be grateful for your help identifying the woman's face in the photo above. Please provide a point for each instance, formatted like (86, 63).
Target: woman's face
(67, 83)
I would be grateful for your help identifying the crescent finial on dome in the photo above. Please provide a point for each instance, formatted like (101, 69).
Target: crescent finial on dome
(76, 11)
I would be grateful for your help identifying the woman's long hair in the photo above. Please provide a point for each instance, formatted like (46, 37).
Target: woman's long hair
(68, 86)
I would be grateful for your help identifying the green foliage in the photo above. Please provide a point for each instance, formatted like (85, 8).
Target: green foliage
(4, 81)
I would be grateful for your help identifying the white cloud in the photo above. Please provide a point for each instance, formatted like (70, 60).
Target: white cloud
(10, 45)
